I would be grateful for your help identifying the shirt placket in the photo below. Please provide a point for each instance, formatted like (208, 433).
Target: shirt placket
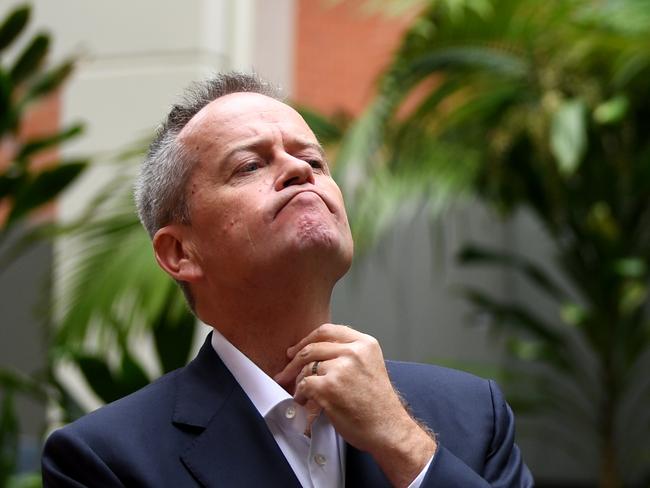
(323, 456)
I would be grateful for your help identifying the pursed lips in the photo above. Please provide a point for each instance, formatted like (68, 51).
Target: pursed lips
(284, 201)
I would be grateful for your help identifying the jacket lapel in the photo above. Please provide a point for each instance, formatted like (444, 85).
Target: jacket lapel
(234, 446)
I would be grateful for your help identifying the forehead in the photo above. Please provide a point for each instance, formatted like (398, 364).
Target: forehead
(240, 115)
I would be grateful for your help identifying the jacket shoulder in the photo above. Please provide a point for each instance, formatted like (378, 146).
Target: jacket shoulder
(429, 379)
(133, 410)
(462, 409)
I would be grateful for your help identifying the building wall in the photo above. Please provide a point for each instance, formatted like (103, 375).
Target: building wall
(340, 49)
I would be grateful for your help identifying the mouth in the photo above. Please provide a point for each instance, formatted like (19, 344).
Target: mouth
(286, 199)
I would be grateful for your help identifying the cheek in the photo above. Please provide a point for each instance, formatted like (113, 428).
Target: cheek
(234, 229)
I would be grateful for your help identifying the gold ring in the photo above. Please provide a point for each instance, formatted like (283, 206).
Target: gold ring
(314, 368)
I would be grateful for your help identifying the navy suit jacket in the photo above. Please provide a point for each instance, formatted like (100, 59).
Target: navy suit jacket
(196, 426)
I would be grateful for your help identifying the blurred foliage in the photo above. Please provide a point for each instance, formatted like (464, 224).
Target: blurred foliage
(26, 185)
(133, 297)
(114, 284)
(23, 83)
(115, 297)
(542, 107)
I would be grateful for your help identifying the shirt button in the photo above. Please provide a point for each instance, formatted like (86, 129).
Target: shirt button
(320, 459)
(290, 413)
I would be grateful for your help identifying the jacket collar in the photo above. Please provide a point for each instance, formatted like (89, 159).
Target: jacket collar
(234, 446)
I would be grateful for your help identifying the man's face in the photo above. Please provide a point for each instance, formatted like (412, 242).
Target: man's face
(261, 196)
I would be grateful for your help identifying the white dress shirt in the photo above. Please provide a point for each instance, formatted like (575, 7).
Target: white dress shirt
(318, 461)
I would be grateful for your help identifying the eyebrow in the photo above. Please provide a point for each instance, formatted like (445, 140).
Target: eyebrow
(259, 143)
(313, 145)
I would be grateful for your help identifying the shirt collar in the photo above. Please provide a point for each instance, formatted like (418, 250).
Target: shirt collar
(263, 392)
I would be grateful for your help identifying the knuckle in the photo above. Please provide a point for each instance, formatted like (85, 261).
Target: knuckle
(305, 370)
(356, 349)
(356, 346)
(347, 364)
(325, 387)
(324, 328)
(371, 341)
(304, 352)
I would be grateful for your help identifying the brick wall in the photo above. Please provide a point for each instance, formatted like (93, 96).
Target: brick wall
(340, 49)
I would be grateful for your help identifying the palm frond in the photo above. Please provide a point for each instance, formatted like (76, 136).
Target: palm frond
(477, 255)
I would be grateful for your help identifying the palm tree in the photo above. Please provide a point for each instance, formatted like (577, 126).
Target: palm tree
(545, 107)
(24, 189)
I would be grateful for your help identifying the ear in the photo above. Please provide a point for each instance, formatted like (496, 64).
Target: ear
(174, 254)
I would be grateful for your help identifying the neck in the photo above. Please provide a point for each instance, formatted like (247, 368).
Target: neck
(263, 322)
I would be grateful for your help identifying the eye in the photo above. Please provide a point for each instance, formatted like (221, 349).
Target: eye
(250, 167)
(315, 163)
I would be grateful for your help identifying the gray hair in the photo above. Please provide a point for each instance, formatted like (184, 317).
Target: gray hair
(160, 189)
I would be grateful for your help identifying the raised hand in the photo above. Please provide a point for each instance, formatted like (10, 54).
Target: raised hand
(342, 371)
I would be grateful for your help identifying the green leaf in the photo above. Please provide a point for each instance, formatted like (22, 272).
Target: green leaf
(569, 135)
(30, 59)
(9, 184)
(612, 111)
(109, 385)
(36, 145)
(573, 314)
(7, 117)
(99, 377)
(520, 321)
(633, 295)
(25, 480)
(630, 267)
(525, 350)
(602, 221)
(131, 376)
(42, 188)
(491, 60)
(69, 405)
(359, 147)
(13, 25)
(113, 245)
(47, 82)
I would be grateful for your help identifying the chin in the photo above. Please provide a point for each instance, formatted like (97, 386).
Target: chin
(325, 242)
(315, 232)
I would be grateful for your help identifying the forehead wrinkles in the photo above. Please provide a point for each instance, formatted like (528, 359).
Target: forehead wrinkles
(223, 133)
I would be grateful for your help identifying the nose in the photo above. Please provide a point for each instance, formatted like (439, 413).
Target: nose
(294, 171)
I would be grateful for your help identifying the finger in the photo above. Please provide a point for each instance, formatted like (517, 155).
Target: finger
(319, 351)
(325, 333)
(308, 370)
(306, 389)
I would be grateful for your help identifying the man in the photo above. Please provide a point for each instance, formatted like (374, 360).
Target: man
(244, 214)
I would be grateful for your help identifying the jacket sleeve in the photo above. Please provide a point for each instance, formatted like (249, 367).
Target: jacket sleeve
(69, 462)
(503, 466)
